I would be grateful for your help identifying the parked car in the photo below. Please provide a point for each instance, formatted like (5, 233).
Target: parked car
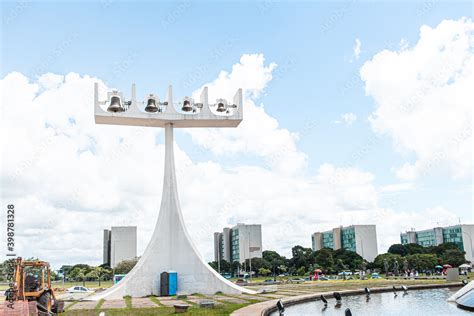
(79, 289)
(241, 282)
(345, 273)
(323, 278)
(375, 276)
(296, 280)
(269, 281)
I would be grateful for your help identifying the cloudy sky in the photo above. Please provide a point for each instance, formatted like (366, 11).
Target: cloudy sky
(354, 113)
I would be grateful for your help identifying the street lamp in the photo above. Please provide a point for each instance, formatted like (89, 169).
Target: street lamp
(170, 247)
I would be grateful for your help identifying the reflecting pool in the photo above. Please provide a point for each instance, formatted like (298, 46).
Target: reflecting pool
(416, 302)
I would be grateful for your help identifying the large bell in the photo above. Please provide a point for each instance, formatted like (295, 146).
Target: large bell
(187, 105)
(115, 105)
(151, 105)
(221, 105)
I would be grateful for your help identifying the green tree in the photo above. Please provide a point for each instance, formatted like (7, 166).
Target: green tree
(282, 268)
(125, 266)
(442, 248)
(412, 249)
(349, 258)
(274, 259)
(340, 266)
(258, 263)
(398, 249)
(302, 257)
(65, 270)
(81, 275)
(235, 267)
(92, 275)
(324, 258)
(301, 271)
(103, 273)
(264, 271)
(379, 261)
(214, 265)
(421, 262)
(225, 266)
(453, 257)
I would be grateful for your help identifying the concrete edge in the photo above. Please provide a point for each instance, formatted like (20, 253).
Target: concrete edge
(268, 307)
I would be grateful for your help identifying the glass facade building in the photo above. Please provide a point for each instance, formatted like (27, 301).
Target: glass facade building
(328, 240)
(238, 243)
(461, 235)
(426, 238)
(454, 235)
(348, 238)
(361, 239)
(234, 246)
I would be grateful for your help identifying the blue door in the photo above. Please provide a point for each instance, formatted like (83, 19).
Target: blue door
(173, 284)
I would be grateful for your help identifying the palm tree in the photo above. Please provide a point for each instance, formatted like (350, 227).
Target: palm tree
(82, 276)
(101, 273)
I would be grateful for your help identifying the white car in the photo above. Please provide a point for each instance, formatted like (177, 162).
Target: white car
(79, 289)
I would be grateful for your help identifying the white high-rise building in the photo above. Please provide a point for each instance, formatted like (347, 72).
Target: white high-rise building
(120, 243)
(361, 239)
(238, 243)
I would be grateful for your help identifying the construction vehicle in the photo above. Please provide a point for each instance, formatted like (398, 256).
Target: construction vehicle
(30, 292)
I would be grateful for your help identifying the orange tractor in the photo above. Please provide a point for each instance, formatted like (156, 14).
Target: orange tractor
(30, 292)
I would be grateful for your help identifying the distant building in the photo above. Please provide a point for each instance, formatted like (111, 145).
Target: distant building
(461, 235)
(106, 248)
(120, 243)
(238, 243)
(361, 239)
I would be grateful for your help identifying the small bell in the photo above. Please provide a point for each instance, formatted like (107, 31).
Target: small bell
(187, 105)
(221, 105)
(115, 105)
(151, 105)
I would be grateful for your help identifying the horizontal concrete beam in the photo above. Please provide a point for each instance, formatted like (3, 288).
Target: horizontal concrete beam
(134, 116)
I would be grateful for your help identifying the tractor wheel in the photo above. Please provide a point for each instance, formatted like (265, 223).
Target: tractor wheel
(44, 303)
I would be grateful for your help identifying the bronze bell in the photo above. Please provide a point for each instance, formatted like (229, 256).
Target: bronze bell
(151, 105)
(187, 105)
(220, 106)
(115, 105)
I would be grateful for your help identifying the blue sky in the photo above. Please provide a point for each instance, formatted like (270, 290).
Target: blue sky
(188, 43)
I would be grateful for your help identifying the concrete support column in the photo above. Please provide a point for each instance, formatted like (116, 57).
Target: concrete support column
(170, 249)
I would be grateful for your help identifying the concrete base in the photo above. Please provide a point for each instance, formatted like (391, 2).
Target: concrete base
(170, 249)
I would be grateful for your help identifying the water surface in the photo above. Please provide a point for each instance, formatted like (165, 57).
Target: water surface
(416, 302)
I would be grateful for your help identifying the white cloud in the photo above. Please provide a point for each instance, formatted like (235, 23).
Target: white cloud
(398, 187)
(70, 178)
(424, 98)
(347, 118)
(356, 49)
(259, 133)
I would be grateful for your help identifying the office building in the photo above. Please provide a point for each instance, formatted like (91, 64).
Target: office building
(361, 239)
(120, 243)
(238, 243)
(461, 235)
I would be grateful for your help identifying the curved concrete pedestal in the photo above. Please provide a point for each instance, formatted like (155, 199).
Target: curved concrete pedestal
(170, 249)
